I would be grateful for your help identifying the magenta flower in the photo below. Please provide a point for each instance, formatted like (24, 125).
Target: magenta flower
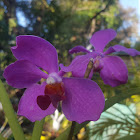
(112, 69)
(82, 99)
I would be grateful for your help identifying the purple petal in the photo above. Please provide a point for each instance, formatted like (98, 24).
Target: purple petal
(114, 71)
(28, 106)
(101, 38)
(78, 49)
(37, 50)
(79, 65)
(84, 100)
(23, 74)
(119, 48)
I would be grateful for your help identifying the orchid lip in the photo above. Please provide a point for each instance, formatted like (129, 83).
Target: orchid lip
(54, 89)
(53, 92)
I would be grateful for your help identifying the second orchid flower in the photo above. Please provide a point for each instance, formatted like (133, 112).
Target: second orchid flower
(112, 69)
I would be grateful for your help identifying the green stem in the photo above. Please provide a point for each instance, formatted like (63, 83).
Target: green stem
(10, 114)
(87, 73)
(1, 137)
(71, 130)
(89, 68)
(37, 129)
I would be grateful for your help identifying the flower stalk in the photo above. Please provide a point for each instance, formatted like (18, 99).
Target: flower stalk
(37, 129)
(71, 130)
(89, 68)
(10, 114)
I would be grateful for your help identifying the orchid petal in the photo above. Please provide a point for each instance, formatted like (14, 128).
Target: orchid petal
(84, 100)
(119, 48)
(101, 38)
(79, 65)
(38, 51)
(23, 74)
(114, 71)
(78, 49)
(28, 106)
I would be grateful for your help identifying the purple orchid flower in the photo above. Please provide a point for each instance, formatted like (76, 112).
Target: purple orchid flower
(82, 99)
(112, 69)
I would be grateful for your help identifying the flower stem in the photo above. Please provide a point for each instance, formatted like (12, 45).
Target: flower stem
(10, 114)
(87, 73)
(89, 68)
(37, 129)
(71, 130)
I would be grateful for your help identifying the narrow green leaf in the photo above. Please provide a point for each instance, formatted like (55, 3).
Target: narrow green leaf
(108, 103)
(10, 114)
(37, 129)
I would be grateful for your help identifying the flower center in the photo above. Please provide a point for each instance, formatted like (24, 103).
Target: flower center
(54, 92)
(53, 78)
(97, 64)
(54, 86)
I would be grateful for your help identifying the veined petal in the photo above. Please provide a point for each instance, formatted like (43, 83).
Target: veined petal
(38, 51)
(114, 71)
(84, 100)
(101, 38)
(28, 106)
(78, 49)
(23, 74)
(79, 65)
(119, 48)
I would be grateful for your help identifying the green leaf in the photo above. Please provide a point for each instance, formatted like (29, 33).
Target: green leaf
(10, 114)
(108, 103)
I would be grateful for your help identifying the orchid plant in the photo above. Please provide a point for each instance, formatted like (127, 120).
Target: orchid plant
(81, 99)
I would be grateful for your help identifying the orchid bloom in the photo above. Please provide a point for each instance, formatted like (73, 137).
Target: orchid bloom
(112, 69)
(82, 99)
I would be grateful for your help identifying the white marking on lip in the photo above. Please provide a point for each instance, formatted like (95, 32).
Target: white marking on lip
(50, 80)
